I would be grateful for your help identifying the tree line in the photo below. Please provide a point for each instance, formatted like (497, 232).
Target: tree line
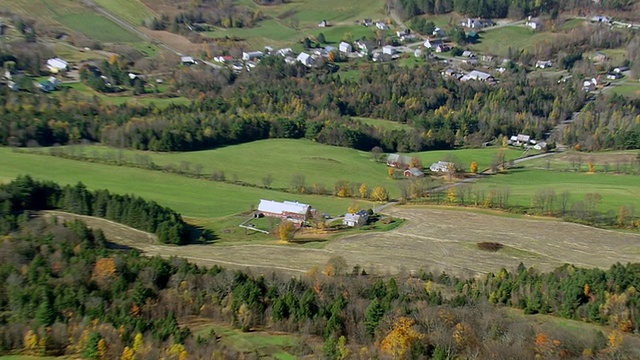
(25, 193)
(62, 291)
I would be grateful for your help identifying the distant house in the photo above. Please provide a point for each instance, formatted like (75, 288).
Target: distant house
(382, 25)
(599, 56)
(476, 23)
(252, 55)
(520, 139)
(290, 60)
(413, 172)
(295, 212)
(432, 44)
(614, 75)
(398, 161)
(621, 69)
(367, 22)
(388, 49)
(534, 23)
(13, 86)
(438, 32)
(223, 59)
(187, 60)
(478, 76)
(323, 23)
(284, 52)
(417, 53)
(468, 54)
(54, 81)
(364, 46)
(540, 146)
(46, 86)
(441, 166)
(56, 65)
(543, 64)
(442, 48)
(305, 59)
(601, 19)
(345, 47)
(403, 32)
(354, 220)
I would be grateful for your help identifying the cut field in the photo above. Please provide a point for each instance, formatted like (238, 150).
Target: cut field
(383, 124)
(435, 239)
(498, 41)
(132, 11)
(97, 27)
(118, 99)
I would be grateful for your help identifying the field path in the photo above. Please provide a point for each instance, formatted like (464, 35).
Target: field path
(435, 239)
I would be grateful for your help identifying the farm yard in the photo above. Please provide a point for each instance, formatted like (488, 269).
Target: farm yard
(434, 239)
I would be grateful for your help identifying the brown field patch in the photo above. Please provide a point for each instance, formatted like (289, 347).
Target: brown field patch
(433, 239)
(610, 157)
(174, 41)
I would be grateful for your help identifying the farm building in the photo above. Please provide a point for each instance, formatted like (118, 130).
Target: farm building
(293, 211)
(305, 59)
(441, 166)
(252, 55)
(388, 49)
(345, 47)
(357, 219)
(398, 161)
(543, 64)
(439, 32)
(432, 44)
(413, 172)
(477, 75)
(187, 60)
(56, 65)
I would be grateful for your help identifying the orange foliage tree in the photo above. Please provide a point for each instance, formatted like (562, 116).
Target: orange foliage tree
(400, 339)
(104, 271)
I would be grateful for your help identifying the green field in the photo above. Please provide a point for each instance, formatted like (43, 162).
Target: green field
(282, 158)
(616, 190)
(627, 88)
(286, 24)
(122, 99)
(498, 41)
(195, 198)
(131, 11)
(384, 124)
(260, 343)
(97, 27)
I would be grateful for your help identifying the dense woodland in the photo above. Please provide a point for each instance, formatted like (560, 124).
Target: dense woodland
(25, 193)
(507, 8)
(63, 291)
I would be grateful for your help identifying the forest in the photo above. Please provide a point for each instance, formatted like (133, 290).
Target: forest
(505, 8)
(269, 104)
(64, 290)
(27, 194)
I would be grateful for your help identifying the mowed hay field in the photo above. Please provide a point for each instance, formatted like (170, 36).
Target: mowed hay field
(433, 239)
(132, 11)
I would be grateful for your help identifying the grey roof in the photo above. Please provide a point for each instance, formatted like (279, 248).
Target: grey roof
(276, 207)
(415, 171)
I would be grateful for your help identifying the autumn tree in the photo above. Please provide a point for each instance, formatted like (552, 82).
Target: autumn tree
(342, 188)
(286, 230)
(364, 191)
(353, 208)
(379, 194)
(399, 340)
(474, 167)
(104, 271)
(592, 166)
(452, 195)
(416, 162)
(623, 214)
(391, 171)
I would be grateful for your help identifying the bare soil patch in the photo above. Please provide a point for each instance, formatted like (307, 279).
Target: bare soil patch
(433, 239)
(174, 41)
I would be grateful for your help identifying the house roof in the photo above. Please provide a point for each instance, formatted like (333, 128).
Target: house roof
(187, 59)
(355, 217)
(303, 57)
(276, 207)
(414, 171)
(397, 158)
(57, 63)
(479, 75)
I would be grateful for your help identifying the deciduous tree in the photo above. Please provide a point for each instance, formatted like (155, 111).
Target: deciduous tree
(379, 194)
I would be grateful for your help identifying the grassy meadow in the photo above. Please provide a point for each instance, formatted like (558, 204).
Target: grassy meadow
(124, 99)
(196, 198)
(131, 11)
(97, 27)
(283, 158)
(498, 41)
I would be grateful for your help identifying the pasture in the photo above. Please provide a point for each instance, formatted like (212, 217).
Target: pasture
(124, 99)
(383, 124)
(616, 190)
(498, 41)
(97, 27)
(132, 11)
(194, 198)
(435, 239)
(282, 158)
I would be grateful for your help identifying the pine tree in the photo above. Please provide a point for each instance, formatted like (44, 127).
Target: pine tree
(45, 315)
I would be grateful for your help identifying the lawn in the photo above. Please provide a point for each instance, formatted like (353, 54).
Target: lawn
(383, 124)
(132, 11)
(123, 99)
(616, 190)
(197, 198)
(498, 41)
(97, 27)
(627, 88)
(282, 158)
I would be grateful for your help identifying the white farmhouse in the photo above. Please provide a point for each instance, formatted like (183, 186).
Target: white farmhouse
(56, 65)
(345, 47)
(305, 59)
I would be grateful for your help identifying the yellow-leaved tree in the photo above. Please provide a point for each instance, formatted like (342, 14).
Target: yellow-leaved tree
(379, 194)
(399, 340)
(474, 167)
(364, 191)
(286, 229)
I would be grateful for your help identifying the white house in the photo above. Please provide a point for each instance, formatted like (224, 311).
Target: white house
(345, 47)
(468, 54)
(438, 32)
(476, 23)
(357, 219)
(56, 65)
(533, 23)
(305, 59)
(252, 55)
(432, 44)
(478, 76)
(284, 52)
(388, 49)
(322, 23)
(441, 166)
(417, 53)
(382, 25)
(187, 60)
(403, 32)
(543, 64)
